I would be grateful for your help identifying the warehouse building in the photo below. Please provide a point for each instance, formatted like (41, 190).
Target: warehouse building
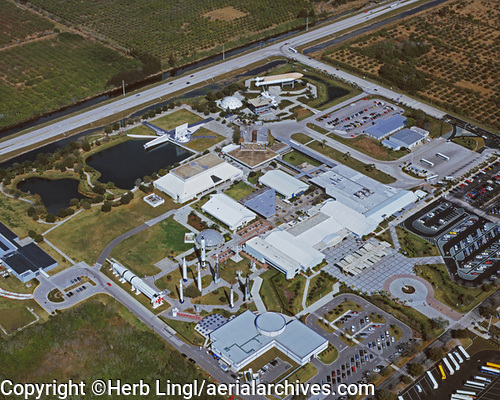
(386, 127)
(405, 138)
(284, 184)
(197, 177)
(248, 336)
(227, 210)
(24, 262)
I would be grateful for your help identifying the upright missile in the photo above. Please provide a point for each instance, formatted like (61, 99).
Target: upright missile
(203, 254)
(247, 288)
(184, 270)
(217, 271)
(181, 293)
(198, 278)
(231, 297)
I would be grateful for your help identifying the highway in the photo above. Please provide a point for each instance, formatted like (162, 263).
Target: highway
(207, 75)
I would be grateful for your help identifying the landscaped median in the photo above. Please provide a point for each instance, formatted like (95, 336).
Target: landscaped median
(346, 159)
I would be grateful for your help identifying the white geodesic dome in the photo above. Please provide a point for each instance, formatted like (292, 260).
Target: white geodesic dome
(231, 103)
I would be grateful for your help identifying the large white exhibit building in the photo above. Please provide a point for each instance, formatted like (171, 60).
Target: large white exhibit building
(227, 210)
(284, 184)
(197, 177)
(247, 336)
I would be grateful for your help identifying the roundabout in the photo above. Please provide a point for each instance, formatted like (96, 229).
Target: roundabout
(409, 289)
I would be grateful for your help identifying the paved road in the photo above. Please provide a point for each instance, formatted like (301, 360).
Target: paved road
(204, 76)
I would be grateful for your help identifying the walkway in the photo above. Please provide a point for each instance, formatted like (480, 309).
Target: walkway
(255, 293)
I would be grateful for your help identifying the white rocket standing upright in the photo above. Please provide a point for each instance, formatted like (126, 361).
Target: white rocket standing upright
(198, 278)
(181, 293)
(203, 254)
(184, 270)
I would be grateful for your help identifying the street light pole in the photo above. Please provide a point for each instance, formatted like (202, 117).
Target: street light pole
(123, 87)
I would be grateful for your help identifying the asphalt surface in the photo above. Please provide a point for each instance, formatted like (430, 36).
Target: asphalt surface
(205, 76)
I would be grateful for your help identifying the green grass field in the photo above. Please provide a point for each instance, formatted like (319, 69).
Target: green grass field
(414, 245)
(351, 162)
(301, 138)
(239, 190)
(97, 338)
(203, 144)
(85, 236)
(342, 308)
(329, 355)
(175, 119)
(145, 248)
(296, 158)
(41, 76)
(14, 314)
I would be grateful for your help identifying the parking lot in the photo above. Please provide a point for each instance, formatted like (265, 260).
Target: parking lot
(355, 118)
(376, 336)
(481, 190)
(469, 244)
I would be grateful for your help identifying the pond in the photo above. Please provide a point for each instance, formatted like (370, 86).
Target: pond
(124, 163)
(54, 193)
(332, 92)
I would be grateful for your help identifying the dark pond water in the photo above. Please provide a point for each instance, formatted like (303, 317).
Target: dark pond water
(332, 92)
(124, 163)
(54, 193)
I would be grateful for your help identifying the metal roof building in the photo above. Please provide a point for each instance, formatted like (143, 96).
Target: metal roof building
(284, 184)
(263, 202)
(385, 127)
(228, 211)
(404, 138)
(196, 177)
(248, 336)
(25, 262)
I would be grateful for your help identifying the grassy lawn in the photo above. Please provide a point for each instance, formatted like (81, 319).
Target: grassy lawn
(342, 308)
(369, 146)
(284, 104)
(353, 163)
(186, 331)
(396, 331)
(229, 267)
(170, 282)
(296, 158)
(145, 248)
(386, 236)
(13, 213)
(281, 295)
(255, 179)
(447, 291)
(377, 318)
(177, 118)
(301, 113)
(414, 245)
(141, 130)
(317, 128)
(348, 341)
(55, 296)
(329, 355)
(13, 284)
(85, 236)
(301, 138)
(303, 374)
(323, 325)
(202, 144)
(470, 142)
(14, 314)
(239, 190)
(214, 298)
(319, 286)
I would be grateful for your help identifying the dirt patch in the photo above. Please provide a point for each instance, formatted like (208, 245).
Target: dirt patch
(253, 157)
(372, 147)
(225, 14)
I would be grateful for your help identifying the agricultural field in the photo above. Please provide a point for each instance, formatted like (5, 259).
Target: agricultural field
(45, 75)
(18, 25)
(448, 56)
(177, 32)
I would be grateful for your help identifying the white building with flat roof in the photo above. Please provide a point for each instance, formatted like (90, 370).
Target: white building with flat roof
(285, 252)
(228, 211)
(247, 336)
(284, 184)
(196, 177)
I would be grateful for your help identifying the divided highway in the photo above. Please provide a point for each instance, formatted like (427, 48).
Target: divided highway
(203, 76)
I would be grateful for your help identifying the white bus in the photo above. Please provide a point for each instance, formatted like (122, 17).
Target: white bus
(451, 371)
(453, 361)
(482, 378)
(292, 50)
(464, 353)
(469, 392)
(430, 178)
(442, 156)
(427, 162)
(432, 379)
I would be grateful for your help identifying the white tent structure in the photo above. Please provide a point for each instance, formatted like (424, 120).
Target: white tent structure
(284, 184)
(228, 211)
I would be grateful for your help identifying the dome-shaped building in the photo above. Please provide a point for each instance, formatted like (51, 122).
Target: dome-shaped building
(231, 103)
(212, 238)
